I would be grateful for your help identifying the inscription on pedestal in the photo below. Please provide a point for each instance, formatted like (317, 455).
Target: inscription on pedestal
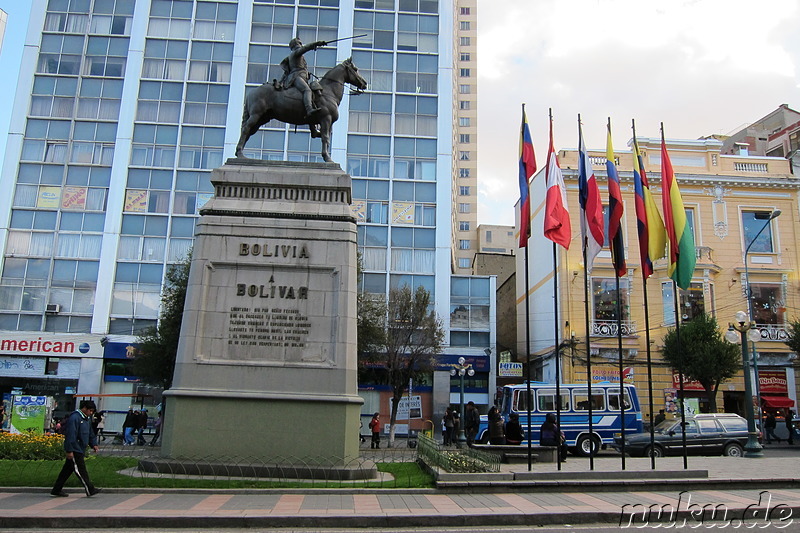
(271, 313)
(268, 327)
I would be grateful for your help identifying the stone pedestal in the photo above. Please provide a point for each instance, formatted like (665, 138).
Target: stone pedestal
(266, 367)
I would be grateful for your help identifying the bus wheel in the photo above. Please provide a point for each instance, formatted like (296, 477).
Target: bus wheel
(586, 446)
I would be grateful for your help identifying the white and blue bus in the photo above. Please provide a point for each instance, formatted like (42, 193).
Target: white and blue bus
(605, 402)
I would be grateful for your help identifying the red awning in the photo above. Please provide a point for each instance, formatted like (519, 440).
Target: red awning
(777, 402)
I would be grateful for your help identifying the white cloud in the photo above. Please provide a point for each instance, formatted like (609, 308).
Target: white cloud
(700, 66)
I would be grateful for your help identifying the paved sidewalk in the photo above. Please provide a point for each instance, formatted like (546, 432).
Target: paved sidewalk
(767, 486)
(346, 509)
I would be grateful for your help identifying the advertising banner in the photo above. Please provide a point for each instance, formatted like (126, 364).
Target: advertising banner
(402, 212)
(135, 201)
(74, 198)
(359, 208)
(406, 410)
(48, 197)
(28, 414)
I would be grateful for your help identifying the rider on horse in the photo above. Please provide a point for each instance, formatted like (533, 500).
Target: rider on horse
(295, 71)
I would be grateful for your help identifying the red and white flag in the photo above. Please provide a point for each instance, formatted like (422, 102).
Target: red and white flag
(557, 226)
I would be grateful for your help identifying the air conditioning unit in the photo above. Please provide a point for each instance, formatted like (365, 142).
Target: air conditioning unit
(53, 308)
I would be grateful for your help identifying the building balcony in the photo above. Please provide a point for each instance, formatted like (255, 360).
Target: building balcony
(608, 328)
(773, 332)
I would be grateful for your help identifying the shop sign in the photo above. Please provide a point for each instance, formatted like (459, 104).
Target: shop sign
(688, 384)
(772, 382)
(611, 375)
(509, 370)
(49, 345)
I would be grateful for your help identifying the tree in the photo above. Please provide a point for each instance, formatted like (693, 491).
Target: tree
(398, 341)
(794, 336)
(703, 354)
(154, 363)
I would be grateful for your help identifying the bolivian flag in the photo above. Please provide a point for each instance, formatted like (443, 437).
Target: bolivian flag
(679, 235)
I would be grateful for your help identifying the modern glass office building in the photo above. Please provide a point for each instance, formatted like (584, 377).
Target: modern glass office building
(124, 107)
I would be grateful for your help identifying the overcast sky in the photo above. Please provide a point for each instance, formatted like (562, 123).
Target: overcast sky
(701, 66)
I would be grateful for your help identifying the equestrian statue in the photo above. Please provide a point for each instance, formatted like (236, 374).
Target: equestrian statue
(296, 101)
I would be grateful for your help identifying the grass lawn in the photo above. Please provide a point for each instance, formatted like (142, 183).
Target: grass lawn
(104, 471)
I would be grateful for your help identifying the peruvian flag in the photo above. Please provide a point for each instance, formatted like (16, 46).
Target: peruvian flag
(556, 216)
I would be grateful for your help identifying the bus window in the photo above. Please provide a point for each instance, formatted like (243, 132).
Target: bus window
(547, 401)
(520, 400)
(580, 398)
(613, 400)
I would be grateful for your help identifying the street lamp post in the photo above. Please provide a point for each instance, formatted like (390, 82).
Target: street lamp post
(461, 369)
(746, 329)
(749, 293)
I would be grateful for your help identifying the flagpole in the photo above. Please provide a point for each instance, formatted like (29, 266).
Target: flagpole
(677, 338)
(619, 358)
(556, 323)
(680, 371)
(646, 327)
(527, 167)
(616, 243)
(528, 364)
(588, 332)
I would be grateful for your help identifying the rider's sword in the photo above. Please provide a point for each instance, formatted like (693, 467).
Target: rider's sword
(345, 38)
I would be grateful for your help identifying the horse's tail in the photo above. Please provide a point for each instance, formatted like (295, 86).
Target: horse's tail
(245, 111)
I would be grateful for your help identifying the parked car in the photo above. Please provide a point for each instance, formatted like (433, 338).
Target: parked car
(706, 434)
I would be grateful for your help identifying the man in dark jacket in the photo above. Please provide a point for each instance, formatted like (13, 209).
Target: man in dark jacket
(141, 425)
(78, 437)
(131, 419)
(472, 422)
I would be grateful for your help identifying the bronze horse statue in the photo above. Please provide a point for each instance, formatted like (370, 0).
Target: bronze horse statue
(265, 103)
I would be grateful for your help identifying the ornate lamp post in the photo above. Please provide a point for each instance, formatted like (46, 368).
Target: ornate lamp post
(461, 369)
(749, 293)
(747, 330)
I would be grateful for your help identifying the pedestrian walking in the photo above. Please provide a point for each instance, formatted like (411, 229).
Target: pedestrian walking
(78, 437)
(131, 419)
(769, 428)
(789, 419)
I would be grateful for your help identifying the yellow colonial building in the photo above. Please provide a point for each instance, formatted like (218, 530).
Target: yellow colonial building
(728, 199)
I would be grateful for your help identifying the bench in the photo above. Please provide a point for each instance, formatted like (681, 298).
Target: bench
(519, 453)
